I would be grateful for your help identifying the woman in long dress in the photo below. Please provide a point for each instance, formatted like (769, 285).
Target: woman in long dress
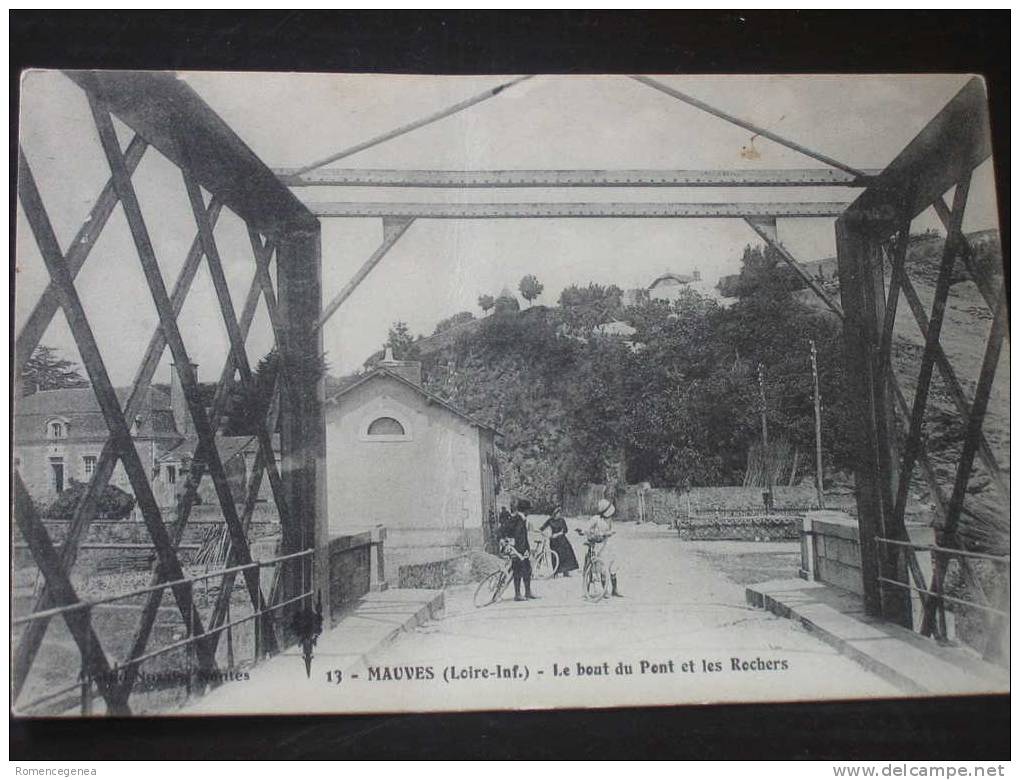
(560, 544)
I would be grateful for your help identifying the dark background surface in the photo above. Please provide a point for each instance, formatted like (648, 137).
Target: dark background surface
(537, 42)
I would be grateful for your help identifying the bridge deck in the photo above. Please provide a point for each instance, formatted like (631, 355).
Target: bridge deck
(279, 685)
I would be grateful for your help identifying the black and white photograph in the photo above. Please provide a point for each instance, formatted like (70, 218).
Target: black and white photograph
(389, 393)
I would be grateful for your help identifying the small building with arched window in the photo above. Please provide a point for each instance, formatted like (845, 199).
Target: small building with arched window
(404, 458)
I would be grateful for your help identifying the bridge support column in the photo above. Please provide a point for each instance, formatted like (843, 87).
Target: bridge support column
(862, 289)
(302, 429)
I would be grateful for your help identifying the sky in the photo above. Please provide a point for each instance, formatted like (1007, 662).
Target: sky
(440, 267)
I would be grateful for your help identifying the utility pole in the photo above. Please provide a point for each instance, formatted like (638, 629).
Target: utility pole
(765, 438)
(818, 428)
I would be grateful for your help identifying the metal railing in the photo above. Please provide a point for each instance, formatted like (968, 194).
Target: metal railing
(85, 683)
(935, 588)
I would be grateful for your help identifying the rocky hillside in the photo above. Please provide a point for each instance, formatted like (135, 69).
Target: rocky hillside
(676, 400)
(964, 335)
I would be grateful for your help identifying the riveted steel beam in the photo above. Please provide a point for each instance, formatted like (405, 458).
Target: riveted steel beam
(380, 177)
(571, 210)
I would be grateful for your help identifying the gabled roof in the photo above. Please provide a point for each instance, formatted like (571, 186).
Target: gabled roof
(382, 372)
(78, 405)
(69, 400)
(226, 446)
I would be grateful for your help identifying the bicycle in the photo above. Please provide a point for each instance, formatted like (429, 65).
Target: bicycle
(491, 588)
(595, 574)
(544, 560)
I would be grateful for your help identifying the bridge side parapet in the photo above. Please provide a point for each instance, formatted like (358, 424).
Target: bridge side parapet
(352, 571)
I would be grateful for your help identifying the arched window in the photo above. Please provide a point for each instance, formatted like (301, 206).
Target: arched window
(56, 429)
(385, 426)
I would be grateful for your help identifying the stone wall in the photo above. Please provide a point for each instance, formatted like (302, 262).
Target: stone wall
(436, 575)
(668, 506)
(125, 545)
(751, 527)
(350, 570)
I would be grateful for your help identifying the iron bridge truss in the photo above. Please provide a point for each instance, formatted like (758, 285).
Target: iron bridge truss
(167, 115)
(871, 233)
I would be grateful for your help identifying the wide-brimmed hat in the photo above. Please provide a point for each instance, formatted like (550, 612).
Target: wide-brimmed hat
(605, 508)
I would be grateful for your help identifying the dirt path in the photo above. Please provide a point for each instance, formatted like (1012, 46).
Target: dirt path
(678, 607)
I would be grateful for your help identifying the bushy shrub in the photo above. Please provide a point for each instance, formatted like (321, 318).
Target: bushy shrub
(114, 503)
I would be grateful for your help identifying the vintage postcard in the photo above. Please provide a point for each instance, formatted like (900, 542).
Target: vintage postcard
(378, 393)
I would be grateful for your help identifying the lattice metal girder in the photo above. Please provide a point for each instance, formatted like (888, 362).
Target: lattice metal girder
(168, 321)
(197, 471)
(78, 252)
(569, 210)
(95, 367)
(79, 622)
(31, 639)
(951, 145)
(380, 177)
(236, 338)
(931, 346)
(167, 113)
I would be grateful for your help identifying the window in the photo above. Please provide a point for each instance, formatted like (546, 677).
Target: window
(57, 430)
(171, 475)
(57, 474)
(88, 463)
(385, 426)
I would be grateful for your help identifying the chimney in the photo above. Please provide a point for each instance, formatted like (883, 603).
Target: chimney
(408, 369)
(178, 404)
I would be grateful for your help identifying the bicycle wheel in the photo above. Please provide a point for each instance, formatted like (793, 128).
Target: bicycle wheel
(490, 589)
(554, 562)
(596, 581)
(545, 564)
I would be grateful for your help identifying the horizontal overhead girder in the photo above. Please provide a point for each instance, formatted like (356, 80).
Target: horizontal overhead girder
(568, 210)
(380, 177)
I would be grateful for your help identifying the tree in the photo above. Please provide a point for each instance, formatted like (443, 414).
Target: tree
(576, 295)
(486, 302)
(451, 322)
(249, 406)
(506, 304)
(530, 287)
(762, 271)
(582, 309)
(45, 371)
(400, 340)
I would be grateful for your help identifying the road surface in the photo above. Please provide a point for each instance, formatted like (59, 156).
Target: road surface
(681, 633)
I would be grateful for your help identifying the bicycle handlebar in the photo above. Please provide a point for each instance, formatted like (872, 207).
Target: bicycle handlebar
(510, 551)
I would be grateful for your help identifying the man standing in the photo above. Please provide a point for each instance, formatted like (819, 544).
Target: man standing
(515, 528)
